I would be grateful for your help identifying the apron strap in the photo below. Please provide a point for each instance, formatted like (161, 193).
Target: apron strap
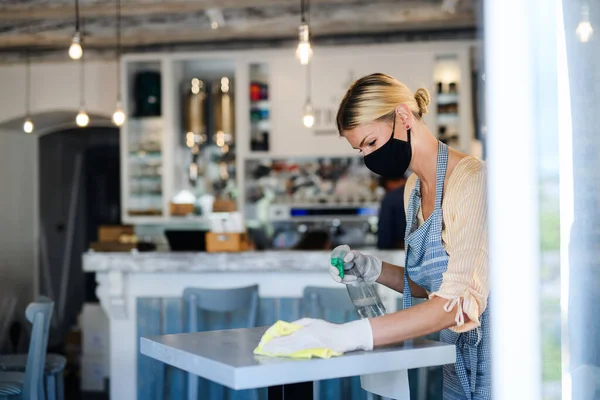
(467, 346)
(442, 165)
(411, 219)
(406, 293)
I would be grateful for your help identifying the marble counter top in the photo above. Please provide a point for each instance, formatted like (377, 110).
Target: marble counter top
(260, 261)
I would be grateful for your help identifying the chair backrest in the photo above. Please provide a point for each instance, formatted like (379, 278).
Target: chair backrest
(221, 301)
(39, 313)
(317, 301)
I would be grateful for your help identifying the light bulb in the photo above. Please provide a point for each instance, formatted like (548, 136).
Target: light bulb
(28, 126)
(118, 117)
(75, 51)
(82, 119)
(308, 119)
(584, 29)
(304, 51)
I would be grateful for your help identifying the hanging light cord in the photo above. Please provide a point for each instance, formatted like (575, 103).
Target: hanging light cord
(305, 13)
(82, 82)
(28, 75)
(28, 84)
(118, 50)
(308, 84)
(302, 18)
(77, 15)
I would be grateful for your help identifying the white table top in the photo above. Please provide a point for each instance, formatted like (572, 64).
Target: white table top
(226, 357)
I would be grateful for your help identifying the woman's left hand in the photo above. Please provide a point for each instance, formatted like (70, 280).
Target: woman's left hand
(317, 333)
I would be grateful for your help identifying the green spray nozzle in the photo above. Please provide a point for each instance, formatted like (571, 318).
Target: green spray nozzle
(337, 258)
(338, 262)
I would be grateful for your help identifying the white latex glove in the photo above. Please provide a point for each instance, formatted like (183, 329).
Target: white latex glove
(368, 266)
(317, 333)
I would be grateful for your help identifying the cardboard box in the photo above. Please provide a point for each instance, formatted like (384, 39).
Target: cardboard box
(227, 242)
(112, 247)
(182, 209)
(221, 205)
(112, 233)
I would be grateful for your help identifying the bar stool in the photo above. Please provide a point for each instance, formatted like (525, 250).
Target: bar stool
(240, 306)
(29, 385)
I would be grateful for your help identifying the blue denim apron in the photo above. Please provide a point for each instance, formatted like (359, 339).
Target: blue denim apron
(426, 261)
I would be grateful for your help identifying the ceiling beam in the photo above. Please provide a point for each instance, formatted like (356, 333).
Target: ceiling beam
(58, 54)
(18, 12)
(282, 27)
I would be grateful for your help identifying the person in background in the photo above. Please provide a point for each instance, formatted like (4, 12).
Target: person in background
(446, 241)
(392, 218)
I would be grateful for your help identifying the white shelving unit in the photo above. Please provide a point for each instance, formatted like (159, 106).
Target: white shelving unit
(452, 99)
(279, 69)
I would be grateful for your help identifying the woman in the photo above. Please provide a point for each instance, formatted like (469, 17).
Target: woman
(446, 238)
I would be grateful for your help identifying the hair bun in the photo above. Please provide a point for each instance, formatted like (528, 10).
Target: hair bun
(423, 99)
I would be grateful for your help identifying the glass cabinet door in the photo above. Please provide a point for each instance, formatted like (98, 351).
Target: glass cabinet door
(204, 138)
(142, 143)
(260, 128)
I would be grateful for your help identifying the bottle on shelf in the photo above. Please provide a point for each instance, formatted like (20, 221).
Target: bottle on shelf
(147, 94)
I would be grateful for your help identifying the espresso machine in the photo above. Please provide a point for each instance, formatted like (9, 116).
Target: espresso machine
(351, 224)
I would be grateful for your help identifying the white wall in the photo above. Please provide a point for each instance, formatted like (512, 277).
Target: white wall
(56, 86)
(18, 214)
(330, 76)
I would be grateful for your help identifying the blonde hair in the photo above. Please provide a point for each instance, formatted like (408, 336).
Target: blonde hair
(375, 97)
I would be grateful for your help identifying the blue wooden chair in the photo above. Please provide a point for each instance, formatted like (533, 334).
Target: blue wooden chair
(53, 371)
(425, 383)
(29, 385)
(333, 305)
(239, 307)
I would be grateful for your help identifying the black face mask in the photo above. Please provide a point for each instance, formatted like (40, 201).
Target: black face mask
(392, 159)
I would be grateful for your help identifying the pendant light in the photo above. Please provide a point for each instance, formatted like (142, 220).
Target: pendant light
(76, 51)
(118, 117)
(304, 50)
(82, 120)
(584, 29)
(449, 6)
(308, 118)
(216, 17)
(28, 124)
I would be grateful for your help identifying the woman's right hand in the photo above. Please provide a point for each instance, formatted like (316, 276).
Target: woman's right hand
(368, 266)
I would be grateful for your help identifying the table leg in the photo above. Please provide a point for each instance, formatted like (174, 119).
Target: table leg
(294, 391)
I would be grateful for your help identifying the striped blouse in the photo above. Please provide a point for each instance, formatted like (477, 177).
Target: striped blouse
(465, 283)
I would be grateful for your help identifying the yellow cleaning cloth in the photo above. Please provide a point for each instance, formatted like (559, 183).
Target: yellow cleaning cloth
(282, 328)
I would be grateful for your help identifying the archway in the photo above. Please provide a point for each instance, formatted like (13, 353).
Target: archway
(37, 241)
